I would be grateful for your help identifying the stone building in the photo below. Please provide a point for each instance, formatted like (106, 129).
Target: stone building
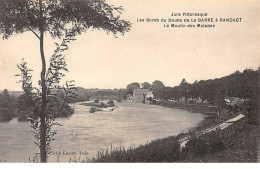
(140, 95)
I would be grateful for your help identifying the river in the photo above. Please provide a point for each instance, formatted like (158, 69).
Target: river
(84, 133)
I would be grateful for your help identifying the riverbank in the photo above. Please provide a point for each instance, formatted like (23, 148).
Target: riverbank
(236, 143)
(214, 114)
(195, 108)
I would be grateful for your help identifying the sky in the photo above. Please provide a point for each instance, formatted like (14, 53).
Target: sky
(149, 51)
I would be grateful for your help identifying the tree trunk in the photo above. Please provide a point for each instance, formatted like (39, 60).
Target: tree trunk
(43, 106)
(43, 127)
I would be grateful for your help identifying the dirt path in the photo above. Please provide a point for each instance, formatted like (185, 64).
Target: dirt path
(221, 126)
(225, 124)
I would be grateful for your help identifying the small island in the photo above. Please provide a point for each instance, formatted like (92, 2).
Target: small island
(101, 106)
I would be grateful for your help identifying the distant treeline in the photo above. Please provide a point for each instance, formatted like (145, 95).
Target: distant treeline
(110, 94)
(242, 85)
(239, 84)
(21, 107)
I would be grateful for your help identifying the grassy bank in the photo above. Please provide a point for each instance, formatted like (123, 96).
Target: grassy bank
(236, 143)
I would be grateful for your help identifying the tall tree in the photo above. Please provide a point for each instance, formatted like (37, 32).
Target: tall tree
(6, 97)
(7, 106)
(183, 82)
(146, 85)
(57, 17)
(157, 88)
(130, 87)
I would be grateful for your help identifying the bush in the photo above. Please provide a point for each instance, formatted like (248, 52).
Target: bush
(22, 115)
(237, 143)
(103, 105)
(66, 111)
(161, 150)
(208, 143)
(5, 114)
(111, 103)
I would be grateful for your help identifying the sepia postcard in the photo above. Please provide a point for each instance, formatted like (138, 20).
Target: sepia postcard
(129, 81)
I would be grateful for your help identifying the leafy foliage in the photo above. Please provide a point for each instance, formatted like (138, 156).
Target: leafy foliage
(237, 143)
(239, 84)
(146, 85)
(57, 96)
(130, 87)
(7, 106)
(58, 16)
(157, 88)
